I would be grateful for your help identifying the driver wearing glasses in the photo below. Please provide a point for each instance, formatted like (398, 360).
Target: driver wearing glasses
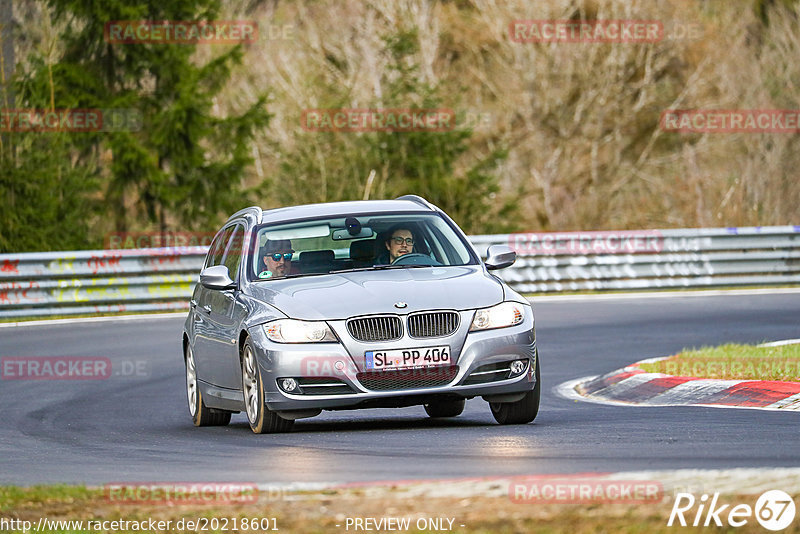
(277, 254)
(399, 243)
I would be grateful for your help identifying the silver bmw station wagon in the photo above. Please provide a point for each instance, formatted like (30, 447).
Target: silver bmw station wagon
(350, 305)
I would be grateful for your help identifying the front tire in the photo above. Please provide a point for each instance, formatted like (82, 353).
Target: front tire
(261, 419)
(445, 408)
(201, 414)
(524, 410)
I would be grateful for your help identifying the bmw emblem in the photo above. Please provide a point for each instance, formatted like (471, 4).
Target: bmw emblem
(400, 305)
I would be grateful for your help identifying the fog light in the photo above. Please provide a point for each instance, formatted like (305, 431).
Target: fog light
(517, 367)
(288, 384)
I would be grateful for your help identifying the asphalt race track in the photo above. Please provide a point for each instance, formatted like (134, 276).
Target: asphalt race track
(137, 428)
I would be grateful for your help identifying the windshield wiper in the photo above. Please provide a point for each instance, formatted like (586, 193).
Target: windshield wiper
(353, 270)
(293, 275)
(379, 268)
(299, 275)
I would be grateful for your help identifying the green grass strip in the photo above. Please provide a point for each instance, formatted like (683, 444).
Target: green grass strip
(733, 362)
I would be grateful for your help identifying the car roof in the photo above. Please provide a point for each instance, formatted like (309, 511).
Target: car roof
(333, 209)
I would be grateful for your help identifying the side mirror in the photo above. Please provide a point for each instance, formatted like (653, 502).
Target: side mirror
(216, 277)
(499, 257)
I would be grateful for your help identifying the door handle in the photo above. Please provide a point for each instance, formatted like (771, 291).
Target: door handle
(207, 308)
(193, 303)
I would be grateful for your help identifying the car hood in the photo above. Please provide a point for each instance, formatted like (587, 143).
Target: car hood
(343, 295)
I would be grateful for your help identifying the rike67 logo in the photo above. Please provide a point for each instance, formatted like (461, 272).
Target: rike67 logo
(774, 510)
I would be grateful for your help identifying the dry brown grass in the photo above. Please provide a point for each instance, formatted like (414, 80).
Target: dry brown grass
(581, 121)
(328, 512)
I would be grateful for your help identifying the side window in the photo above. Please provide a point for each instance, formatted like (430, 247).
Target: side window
(233, 254)
(217, 248)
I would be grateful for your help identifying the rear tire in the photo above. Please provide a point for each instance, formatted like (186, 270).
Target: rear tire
(524, 410)
(201, 414)
(261, 419)
(445, 408)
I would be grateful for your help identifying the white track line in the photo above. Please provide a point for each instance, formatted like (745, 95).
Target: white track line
(780, 343)
(51, 322)
(789, 403)
(665, 294)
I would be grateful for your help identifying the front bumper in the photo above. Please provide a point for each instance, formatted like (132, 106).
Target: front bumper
(490, 349)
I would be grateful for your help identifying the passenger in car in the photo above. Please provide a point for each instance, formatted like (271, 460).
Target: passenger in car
(277, 256)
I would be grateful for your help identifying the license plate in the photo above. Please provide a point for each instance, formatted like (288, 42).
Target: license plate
(407, 358)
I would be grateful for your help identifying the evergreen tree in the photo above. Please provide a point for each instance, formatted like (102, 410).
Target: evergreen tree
(48, 180)
(47, 199)
(173, 162)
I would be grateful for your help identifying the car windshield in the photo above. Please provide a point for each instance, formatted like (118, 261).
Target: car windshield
(357, 242)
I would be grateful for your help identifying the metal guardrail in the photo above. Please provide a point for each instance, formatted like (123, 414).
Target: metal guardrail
(91, 282)
(101, 281)
(652, 259)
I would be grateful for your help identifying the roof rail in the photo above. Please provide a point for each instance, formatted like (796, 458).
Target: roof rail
(419, 200)
(255, 211)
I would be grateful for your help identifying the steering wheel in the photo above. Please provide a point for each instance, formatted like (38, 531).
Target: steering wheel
(415, 258)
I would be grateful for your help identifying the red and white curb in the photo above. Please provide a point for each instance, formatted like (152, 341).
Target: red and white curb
(633, 386)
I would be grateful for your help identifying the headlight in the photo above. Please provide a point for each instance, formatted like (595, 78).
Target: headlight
(294, 331)
(500, 316)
